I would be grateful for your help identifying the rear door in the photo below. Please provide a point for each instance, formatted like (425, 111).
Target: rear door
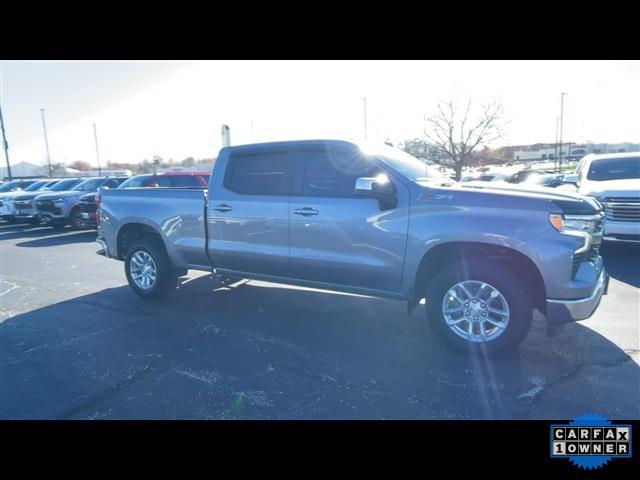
(342, 239)
(249, 212)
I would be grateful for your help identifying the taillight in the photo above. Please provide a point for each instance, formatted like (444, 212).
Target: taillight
(98, 199)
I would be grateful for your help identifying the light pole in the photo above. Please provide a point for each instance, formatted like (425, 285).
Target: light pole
(95, 135)
(561, 121)
(555, 156)
(5, 146)
(364, 104)
(46, 141)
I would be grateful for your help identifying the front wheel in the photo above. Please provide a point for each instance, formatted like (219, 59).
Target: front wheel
(148, 268)
(479, 305)
(76, 221)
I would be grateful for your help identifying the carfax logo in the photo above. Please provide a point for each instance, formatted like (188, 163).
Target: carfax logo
(589, 441)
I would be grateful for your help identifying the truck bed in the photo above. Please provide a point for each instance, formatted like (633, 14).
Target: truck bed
(178, 213)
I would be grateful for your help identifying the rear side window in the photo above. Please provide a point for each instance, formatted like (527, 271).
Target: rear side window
(333, 174)
(138, 181)
(261, 173)
(184, 181)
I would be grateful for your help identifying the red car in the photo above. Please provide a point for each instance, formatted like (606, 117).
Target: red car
(89, 203)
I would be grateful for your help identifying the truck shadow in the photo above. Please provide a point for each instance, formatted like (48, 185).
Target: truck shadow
(261, 350)
(43, 234)
(61, 238)
(622, 261)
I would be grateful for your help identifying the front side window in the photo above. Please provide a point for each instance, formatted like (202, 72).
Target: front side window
(261, 174)
(614, 169)
(89, 185)
(334, 174)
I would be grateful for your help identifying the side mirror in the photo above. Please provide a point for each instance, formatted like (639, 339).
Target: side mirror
(571, 178)
(379, 187)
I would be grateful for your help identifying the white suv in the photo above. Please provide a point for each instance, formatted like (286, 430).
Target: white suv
(614, 180)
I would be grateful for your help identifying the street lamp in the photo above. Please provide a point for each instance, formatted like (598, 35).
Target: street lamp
(5, 146)
(95, 135)
(46, 141)
(561, 121)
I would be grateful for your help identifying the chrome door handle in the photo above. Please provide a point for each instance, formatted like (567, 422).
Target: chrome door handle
(222, 208)
(306, 211)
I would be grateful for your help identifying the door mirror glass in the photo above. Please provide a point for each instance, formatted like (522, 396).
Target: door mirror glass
(571, 178)
(379, 187)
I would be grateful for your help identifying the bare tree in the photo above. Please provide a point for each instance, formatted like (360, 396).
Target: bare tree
(456, 134)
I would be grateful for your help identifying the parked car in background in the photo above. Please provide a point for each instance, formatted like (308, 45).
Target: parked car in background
(337, 216)
(11, 188)
(551, 180)
(613, 180)
(88, 203)
(61, 207)
(24, 202)
(8, 208)
(15, 186)
(168, 179)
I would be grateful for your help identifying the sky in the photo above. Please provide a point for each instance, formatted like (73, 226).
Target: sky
(175, 109)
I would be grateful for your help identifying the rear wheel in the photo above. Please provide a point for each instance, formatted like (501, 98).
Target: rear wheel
(148, 268)
(479, 305)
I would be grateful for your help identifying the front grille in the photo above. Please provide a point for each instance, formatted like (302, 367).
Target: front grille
(47, 206)
(88, 207)
(622, 209)
(23, 204)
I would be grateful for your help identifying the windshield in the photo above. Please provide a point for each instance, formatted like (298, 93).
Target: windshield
(410, 166)
(65, 185)
(37, 185)
(614, 169)
(88, 185)
(7, 187)
(133, 182)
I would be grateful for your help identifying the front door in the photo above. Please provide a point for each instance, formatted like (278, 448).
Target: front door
(339, 238)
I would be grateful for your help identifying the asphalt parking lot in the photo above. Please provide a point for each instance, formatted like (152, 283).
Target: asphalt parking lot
(76, 343)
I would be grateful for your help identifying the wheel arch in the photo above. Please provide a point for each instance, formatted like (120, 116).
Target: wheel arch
(436, 258)
(131, 232)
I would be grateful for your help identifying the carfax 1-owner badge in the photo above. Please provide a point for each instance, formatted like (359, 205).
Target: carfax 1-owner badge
(589, 441)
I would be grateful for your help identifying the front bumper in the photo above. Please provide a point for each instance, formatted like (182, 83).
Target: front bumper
(89, 219)
(563, 311)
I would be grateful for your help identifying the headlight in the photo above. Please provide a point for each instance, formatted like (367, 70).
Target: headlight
(582, 226)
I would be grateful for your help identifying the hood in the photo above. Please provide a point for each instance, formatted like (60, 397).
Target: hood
(26, 195)
(62, 194)
(614, 188)
(521, 190)
(507, 195)
(10, 194)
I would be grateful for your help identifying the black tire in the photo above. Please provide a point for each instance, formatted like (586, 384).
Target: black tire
(495, 274)
(35, 221)
(10, 219)
(166, 278)
(75, 220)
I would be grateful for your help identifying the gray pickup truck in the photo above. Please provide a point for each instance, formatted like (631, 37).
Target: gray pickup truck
(369, 220)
